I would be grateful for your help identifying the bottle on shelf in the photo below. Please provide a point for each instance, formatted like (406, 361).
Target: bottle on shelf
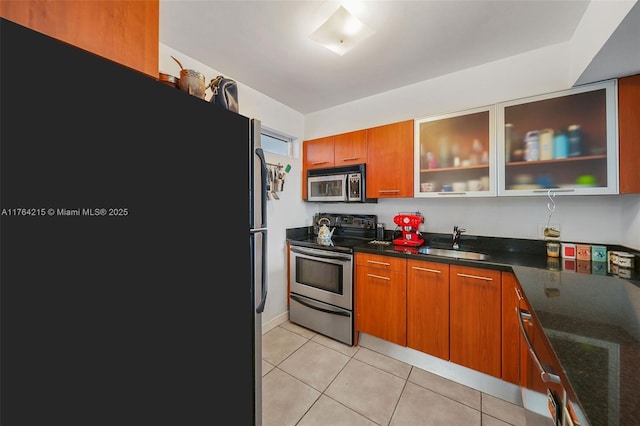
(507, 141)
(431, 161)
(560, 145)
(575, 140)
(531, 146)
(443, 159)
(546, 144)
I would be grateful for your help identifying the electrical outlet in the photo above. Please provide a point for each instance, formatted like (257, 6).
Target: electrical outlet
(543, 226)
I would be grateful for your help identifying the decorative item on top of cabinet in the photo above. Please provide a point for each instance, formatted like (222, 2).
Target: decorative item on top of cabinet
(390, 156)
(564, 140)
(454, 154)
(124, 31)
(629, 133)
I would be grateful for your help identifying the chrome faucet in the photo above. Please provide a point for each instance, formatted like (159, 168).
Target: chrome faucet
(456, 236)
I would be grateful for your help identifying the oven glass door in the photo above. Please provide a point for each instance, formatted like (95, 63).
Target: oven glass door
(322, 275)
(327, 188)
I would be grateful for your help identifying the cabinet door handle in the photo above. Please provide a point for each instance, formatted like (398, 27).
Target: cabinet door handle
(475, 276)
(451, 193)
(544, 375)
(350, 158)
(518, 294)
(315, 163)
(435, 271)
(378, 276)
(554, 190)
(388, 191)
(378, 263)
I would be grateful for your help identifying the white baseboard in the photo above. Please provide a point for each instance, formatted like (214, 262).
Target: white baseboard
(270, 325)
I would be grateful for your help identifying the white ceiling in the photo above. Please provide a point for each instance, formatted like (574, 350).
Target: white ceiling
(265, 44)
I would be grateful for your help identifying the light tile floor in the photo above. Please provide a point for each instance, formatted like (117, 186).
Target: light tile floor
(311, 380)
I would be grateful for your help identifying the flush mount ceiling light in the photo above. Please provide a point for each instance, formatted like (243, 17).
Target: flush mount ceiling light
(341, 32)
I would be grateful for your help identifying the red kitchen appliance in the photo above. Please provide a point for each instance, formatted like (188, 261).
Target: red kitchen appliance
(409, 223)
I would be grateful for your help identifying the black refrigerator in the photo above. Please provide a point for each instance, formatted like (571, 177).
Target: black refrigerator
(131, 287)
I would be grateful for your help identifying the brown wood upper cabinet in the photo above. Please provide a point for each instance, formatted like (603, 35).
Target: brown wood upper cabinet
(629, 134)
(351, 148)
(319, 153)
(390, 161)
(124, 31)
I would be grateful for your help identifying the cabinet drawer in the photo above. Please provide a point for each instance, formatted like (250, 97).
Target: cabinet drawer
(377, 261)
(427, 267)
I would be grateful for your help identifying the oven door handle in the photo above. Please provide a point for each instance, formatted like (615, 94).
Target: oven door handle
(318, 308)
(318, 253)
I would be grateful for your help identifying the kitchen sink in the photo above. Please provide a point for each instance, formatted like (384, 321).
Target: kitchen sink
(457, 254)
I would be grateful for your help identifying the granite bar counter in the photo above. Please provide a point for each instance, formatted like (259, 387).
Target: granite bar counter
(591, 317)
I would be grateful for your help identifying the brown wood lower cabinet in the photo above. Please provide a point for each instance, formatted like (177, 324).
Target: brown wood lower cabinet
(381, 297)
(458, 313)
(428, 307)
(475, 318)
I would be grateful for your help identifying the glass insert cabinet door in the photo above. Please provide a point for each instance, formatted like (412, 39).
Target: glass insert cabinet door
(455, 154)
(565, 141)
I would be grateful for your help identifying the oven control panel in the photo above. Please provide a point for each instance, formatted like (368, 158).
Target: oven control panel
(359, 221)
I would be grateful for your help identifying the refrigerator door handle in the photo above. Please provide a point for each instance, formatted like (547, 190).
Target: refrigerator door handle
(263, 181)
(265, 289)
(263, 228)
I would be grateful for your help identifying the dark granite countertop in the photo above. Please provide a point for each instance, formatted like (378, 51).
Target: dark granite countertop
(591, 317)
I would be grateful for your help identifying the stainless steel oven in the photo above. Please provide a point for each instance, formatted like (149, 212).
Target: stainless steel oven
(321, 274)
(321, 287)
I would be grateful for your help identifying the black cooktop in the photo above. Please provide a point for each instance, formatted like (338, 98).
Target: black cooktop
(349, 231)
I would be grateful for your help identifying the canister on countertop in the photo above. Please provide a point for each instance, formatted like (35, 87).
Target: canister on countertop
(583, 251)
(553, 249)
(626, 260)
(380, 231)
(613, 258)
(598, 253)
(568, 250)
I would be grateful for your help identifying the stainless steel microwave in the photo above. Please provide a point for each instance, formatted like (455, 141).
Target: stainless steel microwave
(345, 184)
